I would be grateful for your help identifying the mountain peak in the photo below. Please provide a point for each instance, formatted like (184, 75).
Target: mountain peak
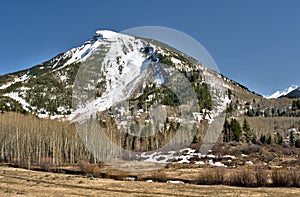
(284, 92)
(105, 33)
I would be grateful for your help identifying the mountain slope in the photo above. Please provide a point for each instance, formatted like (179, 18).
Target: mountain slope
(293, 94)
(46, 89)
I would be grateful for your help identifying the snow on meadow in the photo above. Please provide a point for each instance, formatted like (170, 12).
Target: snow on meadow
(186, 156)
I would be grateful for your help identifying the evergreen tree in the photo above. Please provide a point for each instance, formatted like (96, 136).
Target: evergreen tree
(229, 108)
(227, 136)
(197, 136)
(236, 129)
(278, 112)
(247, 131)
(254, 139)
(292, 138)
(203, 96)
(296, 104)
(279, 138)
(297, 143)
(263, 139)
(232, 131)
(258, 110)
(273, 111)
(269, 140)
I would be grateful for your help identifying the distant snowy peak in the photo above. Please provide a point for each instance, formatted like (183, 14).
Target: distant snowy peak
(284, 92)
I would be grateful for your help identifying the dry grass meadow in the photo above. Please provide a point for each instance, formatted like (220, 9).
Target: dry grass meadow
(21, 182)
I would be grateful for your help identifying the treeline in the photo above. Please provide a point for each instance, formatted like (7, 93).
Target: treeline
(140, 136)
(233, 131)
(254, 109)
(26, 141)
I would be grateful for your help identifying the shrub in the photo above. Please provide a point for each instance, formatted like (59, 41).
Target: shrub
(158, 176)
(242, 179)
(261, 177)
(280, 178)
(253, 148)
(82, 165)
(121, 175)
(294, 177)
(95, 170)
(89, 169)
(214, 177)
(46, 163)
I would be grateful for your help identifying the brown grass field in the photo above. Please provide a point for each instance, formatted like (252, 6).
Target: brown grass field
(21, 182)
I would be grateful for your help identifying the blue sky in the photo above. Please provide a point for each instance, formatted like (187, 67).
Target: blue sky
(256, 43)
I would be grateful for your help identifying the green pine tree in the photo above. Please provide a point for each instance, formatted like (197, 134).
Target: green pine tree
(247, 131)
(297, 143)
(236, 130)
(279, 138)
(292, 138)
(269, 140)
(227, 136)
(263, 139)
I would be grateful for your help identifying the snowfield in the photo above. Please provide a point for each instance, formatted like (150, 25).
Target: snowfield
(124, 65)
(119, 85)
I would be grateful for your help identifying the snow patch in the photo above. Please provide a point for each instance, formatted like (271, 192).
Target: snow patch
(175, 60)
(16, 80)
(218, 164)
(229, 156)
(16, 97)
(5, 85)
(175, 182)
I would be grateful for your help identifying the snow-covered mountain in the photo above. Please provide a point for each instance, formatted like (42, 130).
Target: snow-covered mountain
(130, 85)
(46, 89)
(284, 92)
